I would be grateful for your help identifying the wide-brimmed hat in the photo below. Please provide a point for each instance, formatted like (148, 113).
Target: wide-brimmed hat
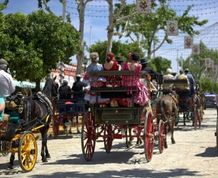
(94, 55)
(169, 71)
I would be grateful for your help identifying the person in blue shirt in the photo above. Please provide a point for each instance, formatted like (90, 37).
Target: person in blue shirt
(191, 80)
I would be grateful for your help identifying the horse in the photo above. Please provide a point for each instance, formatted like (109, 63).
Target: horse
(36, 111)
(166, 108)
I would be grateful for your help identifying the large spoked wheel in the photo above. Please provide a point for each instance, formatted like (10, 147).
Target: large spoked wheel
(27, 152)
(88, 136)
(108, 137)
(161, 136)
(148, 137)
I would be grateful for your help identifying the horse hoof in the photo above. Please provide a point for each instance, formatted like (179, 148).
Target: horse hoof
(173, 142)
(44, 160)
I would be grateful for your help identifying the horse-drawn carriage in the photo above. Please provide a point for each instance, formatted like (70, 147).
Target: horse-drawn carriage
(17, 131)
(188, 106)
(116, 120)
(67, 110)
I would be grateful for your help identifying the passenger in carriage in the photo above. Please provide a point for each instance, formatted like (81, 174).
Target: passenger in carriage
(168, 87)
(111, 65)
(141, 98)
(183, 89)
(92, 81)
(192, 82)
(64, 91)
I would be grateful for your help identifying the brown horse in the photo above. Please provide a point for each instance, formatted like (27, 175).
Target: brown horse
(167, 109)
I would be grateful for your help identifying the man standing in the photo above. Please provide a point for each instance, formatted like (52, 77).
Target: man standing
(78, 86)
(6, 85)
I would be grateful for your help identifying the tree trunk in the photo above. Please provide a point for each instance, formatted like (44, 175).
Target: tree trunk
(110, 26)
(80, 55)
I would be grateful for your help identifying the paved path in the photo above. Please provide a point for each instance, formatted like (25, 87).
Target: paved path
(193, 155)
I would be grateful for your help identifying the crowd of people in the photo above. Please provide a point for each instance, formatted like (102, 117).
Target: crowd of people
(80, 90)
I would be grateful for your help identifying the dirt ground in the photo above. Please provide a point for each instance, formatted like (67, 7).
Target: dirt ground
(193, 155)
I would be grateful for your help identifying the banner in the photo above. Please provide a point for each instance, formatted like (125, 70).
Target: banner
(188, 42)
(195, 49)
(143, 6)
(172, 28)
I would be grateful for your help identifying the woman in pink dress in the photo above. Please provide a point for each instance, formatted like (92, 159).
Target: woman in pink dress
(141, 97)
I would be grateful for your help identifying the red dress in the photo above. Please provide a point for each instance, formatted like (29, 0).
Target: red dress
(113, 80)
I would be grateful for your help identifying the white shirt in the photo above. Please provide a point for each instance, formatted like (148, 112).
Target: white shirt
(6, 84)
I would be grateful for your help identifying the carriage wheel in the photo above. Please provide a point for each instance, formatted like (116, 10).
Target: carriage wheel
(161, 136)
(27, 152)
(88, 136)
(108, 137)
(129, 138)
(148, 137)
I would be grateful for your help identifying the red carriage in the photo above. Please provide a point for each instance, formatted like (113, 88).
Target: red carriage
(116, 121)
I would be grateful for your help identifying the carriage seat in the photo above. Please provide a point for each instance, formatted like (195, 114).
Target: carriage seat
(117, 91)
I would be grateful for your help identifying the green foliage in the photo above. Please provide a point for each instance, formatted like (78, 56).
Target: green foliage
(35, 43)
(150, 25)
(119, 49)
(160, 64)
(207, 85)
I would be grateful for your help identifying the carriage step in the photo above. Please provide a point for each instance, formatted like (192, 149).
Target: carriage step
(117, 136)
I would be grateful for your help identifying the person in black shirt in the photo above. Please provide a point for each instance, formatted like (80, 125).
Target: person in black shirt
(64, 91)
(78, 92)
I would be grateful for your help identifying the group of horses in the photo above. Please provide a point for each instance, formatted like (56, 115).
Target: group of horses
(169, 106)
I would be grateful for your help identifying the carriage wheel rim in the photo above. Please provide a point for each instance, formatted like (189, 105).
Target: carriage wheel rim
(161, 136)
(149, 138)
(88, 138)
(27, 152)
(108, 138)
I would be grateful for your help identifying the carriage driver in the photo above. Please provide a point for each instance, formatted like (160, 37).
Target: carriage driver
(6, 83)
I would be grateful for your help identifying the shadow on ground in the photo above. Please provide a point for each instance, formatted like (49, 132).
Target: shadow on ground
(209, 152)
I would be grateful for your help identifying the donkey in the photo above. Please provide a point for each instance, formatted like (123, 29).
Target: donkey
(36, 111)
(167, 108)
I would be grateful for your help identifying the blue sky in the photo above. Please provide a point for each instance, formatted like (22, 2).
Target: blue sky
(96, 22)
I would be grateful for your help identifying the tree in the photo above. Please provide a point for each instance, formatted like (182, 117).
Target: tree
(119, 49)
(160, 64)
(145, 28)
(35, 43)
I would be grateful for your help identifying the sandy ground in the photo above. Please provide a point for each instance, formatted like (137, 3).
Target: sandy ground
(193, 155)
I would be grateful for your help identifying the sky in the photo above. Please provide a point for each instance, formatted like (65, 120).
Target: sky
(96, 21)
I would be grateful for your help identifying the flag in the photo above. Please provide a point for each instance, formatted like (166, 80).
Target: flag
(172, 28)
(195, 49)
(188, 42)
(143, 6)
